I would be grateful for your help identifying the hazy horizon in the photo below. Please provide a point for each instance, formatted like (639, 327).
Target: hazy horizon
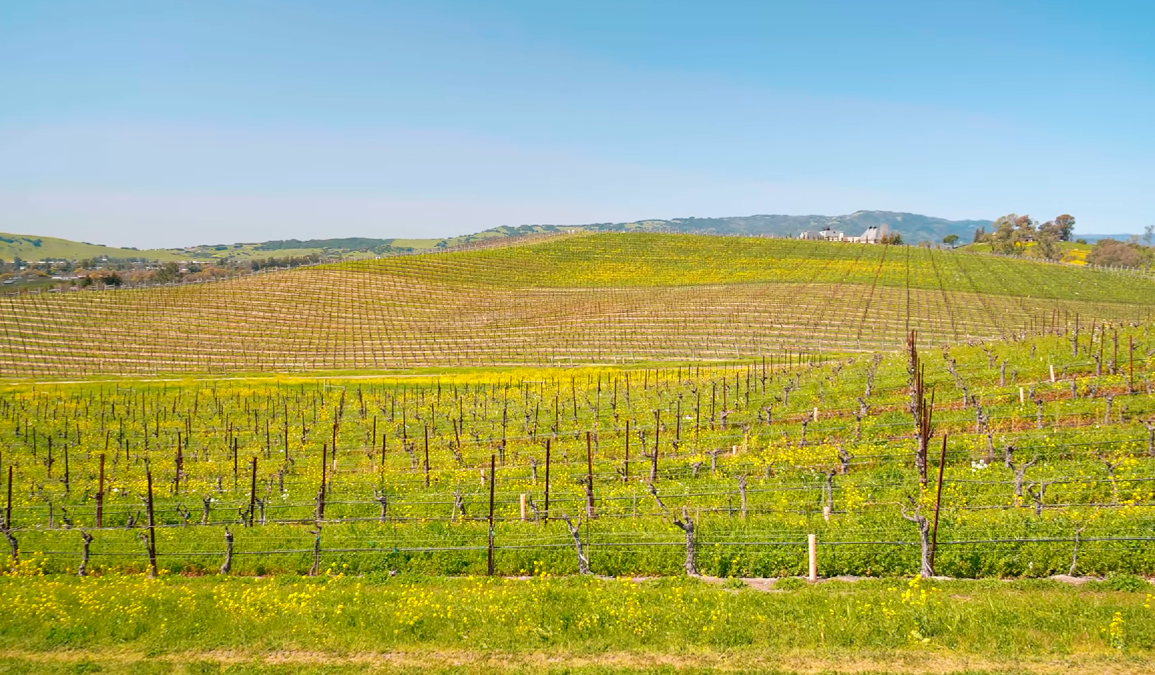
(339, 235)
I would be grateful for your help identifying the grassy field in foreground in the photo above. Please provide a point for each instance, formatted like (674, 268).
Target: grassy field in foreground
(341, 624)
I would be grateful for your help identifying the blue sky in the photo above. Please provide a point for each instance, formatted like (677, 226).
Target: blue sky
(168, 123)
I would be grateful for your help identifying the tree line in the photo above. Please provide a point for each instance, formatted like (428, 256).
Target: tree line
(1018, 235)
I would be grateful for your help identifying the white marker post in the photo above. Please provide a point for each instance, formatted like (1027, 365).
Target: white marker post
(812, 545)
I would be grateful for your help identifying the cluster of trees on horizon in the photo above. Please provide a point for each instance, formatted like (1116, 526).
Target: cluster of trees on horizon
(1013, 234)
(1018, 235)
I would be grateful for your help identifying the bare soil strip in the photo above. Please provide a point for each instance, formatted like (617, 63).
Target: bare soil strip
(929, 661)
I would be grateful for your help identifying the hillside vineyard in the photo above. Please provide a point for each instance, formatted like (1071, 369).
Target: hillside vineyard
(1046, 448)
(607, 298)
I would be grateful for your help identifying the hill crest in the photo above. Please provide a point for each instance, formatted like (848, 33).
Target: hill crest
(913, 228)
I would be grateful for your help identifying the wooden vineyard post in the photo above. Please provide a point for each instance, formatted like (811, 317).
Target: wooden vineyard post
(7, 529)
(253, 492)
(589, 478)
(8, 504)
(698, 413)
(713, 399)
(626, 468)
(178, 462)
(100, 495)
(492, 487)
(1131, 363)
(812, 557)
(523, 507)
(546, 519)
(151, 526)
(320, 514)
(382, 455)
(937, 502)
(426, 455)
(657, 435)
(1115, 353)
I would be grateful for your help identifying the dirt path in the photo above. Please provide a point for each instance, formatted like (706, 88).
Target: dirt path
(904, 662)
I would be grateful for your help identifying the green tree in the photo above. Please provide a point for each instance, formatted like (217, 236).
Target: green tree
(950, 240)
(1065, 226)
(1011, 234)
(1002, 234)
(1058, 229)
(168, 273)
(1112, 253)
(1048, 246)
(1050, 234)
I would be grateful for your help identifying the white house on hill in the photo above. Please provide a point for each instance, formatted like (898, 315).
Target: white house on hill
(825, 234)
(872, 235)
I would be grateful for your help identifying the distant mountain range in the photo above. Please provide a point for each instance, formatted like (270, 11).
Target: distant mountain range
(913, 227)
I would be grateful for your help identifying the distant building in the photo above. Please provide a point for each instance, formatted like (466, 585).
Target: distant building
(825, 234)
(872, 235)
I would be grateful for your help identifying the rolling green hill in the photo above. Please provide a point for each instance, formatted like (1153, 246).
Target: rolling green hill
(647, 259)
(35, 248)
(912, 227)
(597, 298)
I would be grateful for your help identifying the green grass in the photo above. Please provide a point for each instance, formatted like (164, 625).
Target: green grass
(596, 625)
(486, 664)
